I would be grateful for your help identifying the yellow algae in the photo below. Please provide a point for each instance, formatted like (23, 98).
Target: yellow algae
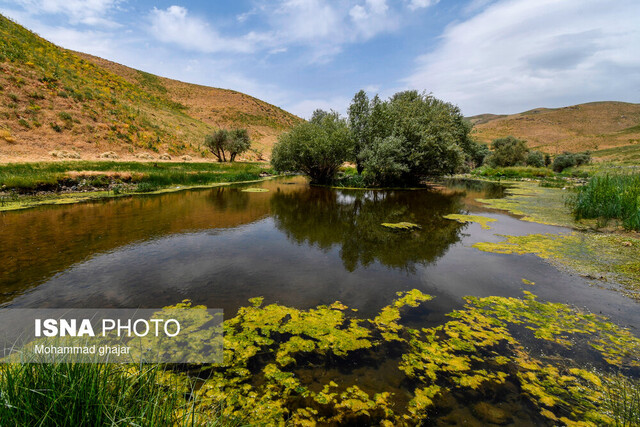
(255, 190)
(482, 220)
(402, 226)
(528, 282)
(594, 255)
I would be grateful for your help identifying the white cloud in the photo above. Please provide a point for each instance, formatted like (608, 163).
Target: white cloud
(175, 25)
(87, 12)
(421, 4)
(516, 55)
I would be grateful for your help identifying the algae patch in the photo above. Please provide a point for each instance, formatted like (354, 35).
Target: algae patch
(535, 204)
(401, 226)
(594, 255)
(475, 357)
(255, 190)
(482, 220)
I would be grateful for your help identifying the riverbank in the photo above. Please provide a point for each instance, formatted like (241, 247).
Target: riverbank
(25, 185)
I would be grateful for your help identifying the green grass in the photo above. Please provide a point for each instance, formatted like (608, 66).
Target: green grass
(30, 177)
(89, 394)
(513, 172)
(608, 197)
(622, 400)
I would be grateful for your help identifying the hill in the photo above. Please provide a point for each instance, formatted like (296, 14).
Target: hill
(57, 103)
(592, 126)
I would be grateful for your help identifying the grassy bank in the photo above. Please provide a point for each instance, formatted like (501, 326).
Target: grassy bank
(29, 184)
(608, 197)
(27, 178)
(90, 394)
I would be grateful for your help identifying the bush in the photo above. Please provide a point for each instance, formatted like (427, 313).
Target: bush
(384, 161)
(316, 148)
(535, 159)
(508, 151)
(568, 160)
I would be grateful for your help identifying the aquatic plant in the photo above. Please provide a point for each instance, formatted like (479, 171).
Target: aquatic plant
(401, 226)
(482, 220)
(255, 190)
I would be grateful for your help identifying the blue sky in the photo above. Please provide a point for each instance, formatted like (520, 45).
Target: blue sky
(497, 56)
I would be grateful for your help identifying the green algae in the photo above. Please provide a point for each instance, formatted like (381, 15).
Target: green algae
(604, 256)
(255, 190)
(482, 220)
(543, 205)
(479, 352)
(401, 226)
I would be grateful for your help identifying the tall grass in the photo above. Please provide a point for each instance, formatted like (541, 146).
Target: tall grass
(610, 197)
(87, 394)
(622, 401)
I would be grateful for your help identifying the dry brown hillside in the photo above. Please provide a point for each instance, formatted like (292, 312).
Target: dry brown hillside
(592, 126)
(56, 103)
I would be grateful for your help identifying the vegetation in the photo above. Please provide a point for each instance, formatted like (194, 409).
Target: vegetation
(535, 159)
(85, 175)
(90, 394)
(316, 148)
(568, 160)
(610, 197)
(233, 142)
(395, 142)
(508, 151)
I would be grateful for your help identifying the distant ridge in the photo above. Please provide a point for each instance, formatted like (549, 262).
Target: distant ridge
(591, 126)
(58, 103)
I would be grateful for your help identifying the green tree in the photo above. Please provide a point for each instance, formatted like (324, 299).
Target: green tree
(359, 117)
(233, 142)
(509, 151)
(316, 148)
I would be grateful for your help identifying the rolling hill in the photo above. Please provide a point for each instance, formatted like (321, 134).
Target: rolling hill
(57, 103)
(593, 126)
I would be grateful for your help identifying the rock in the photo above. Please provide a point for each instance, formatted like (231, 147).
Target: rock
(186, 158)
(109, 155)
(64, 154)
(145, 156)
(490, 413)
(165, 156)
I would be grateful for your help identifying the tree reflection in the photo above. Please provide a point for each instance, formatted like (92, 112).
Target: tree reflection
(351, 219)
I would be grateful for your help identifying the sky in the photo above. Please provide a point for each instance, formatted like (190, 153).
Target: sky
(486, 56)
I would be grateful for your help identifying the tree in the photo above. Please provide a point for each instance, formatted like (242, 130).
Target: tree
(508, 151)
(316, 148)
(235, 141)
(359, 116)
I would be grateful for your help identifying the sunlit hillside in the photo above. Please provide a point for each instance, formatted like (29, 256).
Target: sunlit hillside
(58, 103)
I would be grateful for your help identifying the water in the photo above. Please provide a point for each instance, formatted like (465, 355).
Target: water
(296, 245)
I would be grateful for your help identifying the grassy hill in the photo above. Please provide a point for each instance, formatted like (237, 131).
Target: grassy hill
(595, 126)
(57, 103)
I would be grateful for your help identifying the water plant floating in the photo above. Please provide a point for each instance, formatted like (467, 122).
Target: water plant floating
(255, 190)
(482, 220)
(402, 226)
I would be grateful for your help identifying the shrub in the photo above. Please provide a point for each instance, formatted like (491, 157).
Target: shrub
(56, 127)
(316, 148)
(508, 151)
(567, 160)
(384, 161)
(535, 159)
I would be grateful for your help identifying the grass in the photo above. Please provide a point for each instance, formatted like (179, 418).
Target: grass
(622, 400)
(145, 176)
(513, 172)
(90, 394)
(607, 197)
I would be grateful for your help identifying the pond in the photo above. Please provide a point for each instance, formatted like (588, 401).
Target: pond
(300, 247)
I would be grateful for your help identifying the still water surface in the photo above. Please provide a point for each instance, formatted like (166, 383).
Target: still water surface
(296, 245)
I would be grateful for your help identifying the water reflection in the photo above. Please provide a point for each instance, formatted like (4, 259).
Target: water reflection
(351, 221)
